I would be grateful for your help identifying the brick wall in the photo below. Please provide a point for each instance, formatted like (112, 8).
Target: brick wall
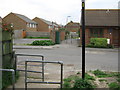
(62, 35)
(37, 34)
(17, 34)
(87, 36)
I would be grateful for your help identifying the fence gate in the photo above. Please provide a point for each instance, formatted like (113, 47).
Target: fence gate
(72, 38)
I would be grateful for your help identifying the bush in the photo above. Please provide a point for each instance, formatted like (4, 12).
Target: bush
(98, 43)
(43, 43)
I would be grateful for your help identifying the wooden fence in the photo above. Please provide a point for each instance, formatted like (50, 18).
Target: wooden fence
(7, 57)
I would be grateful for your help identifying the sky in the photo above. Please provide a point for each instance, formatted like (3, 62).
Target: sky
(53, 10)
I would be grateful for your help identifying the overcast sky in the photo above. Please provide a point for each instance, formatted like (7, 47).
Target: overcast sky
(53, 10)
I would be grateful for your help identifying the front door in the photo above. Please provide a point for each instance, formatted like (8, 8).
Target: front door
(115, 37)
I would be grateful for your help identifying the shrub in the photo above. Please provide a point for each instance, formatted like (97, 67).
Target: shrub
(43, 43)
(98, 42)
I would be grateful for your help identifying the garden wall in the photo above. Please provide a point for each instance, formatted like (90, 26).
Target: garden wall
(37, 34)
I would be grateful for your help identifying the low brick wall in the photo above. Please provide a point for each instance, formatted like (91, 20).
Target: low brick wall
(62, 35)
(17, 34)
(37, 34)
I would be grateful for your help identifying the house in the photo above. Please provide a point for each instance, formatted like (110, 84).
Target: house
(0, 22)
(102, 23)
(44, 25)
(72, 26)
(20, 22)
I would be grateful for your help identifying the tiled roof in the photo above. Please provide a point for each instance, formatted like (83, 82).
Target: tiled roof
(25, 18)
(48, 22)
(73, 24)
(101, 17)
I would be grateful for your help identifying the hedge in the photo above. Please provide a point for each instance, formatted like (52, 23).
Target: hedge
(98, 43)
(43, 43)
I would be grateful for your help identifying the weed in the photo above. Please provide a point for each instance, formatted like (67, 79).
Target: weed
(114, 85)
(88, 77)
(81, 83)
(67, 85)
(100, 74)
(78, 72)
(101, 80)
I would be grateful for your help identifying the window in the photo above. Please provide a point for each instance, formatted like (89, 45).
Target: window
(50, 27)
(27, 24)
(96, 32)
(30, 25)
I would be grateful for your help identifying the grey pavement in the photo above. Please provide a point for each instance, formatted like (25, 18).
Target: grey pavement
(62, 45)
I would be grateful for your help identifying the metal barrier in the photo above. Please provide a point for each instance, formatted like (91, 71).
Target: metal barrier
(13, 76)
(30, 70)
(43, 82)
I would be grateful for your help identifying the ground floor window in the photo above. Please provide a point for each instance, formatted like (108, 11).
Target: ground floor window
(96, 32)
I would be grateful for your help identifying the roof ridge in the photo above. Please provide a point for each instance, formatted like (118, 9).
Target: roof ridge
(100, 9)
(25, 18)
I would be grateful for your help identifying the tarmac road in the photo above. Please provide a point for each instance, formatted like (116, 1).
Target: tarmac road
(71, 55)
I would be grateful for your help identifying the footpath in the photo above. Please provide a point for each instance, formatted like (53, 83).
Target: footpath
(63, 45)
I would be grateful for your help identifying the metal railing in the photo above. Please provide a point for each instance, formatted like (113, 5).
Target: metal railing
(43, 82)
(13, 76)
(16, 55)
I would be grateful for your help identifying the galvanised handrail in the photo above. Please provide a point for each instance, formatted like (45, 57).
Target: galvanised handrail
(30, 70)
(43, 82)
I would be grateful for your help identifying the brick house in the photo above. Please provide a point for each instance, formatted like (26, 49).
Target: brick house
(72, 26)
(44, 25)
(20, 22)
(102, 23)
(0, 22)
